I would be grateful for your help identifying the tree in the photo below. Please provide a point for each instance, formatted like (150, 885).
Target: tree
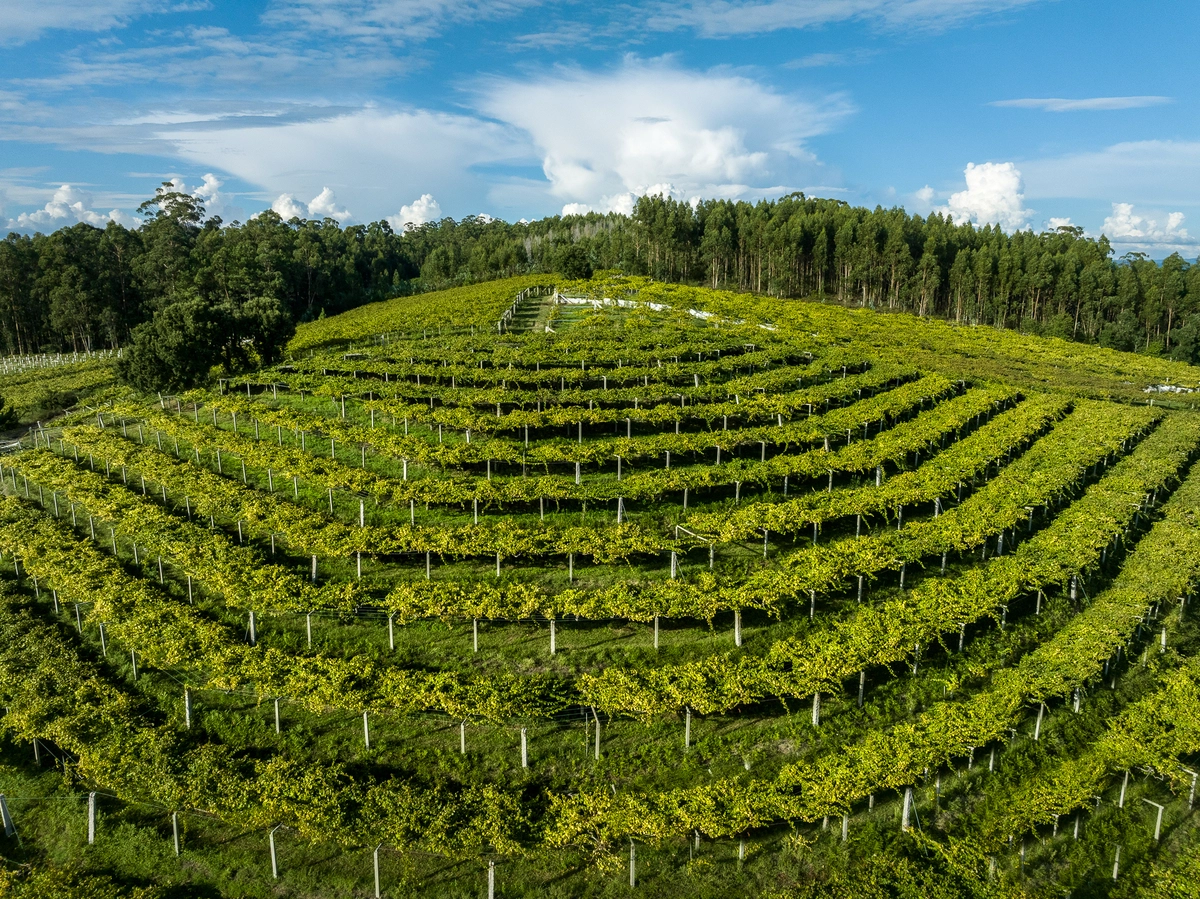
(265, 324)
(176, 349)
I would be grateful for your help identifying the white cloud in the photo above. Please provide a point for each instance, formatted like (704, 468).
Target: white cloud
(421, 210)
(376, 157)
(1152, 172)
(603, 137)
(208, 192)
(823, 60)
(994, 195)
(68, 206)
(1058, 104)
(287, 208)
(25, 20)
(384, 20)
(1127, 229)
(1054, 223)
(925, 196)
(719, 18)
(323, 205)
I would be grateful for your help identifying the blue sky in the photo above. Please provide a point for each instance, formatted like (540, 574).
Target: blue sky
(1027, 113)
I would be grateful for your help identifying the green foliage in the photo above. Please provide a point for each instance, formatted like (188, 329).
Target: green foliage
(874, 514)
(176, 349)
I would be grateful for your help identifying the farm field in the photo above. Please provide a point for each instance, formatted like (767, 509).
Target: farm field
(610, 588)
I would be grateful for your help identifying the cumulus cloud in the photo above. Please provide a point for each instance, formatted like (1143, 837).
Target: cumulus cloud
(1129, 229)
(1054, 223)
(925, 196)
(604, 138)
(208, 192)
(402, 150)
(1059, 104)
(995, 195)
(68, 206)
(323, 205)
(421, 210)
(287, 207)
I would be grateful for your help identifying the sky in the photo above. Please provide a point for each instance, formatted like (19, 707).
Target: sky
(1022, 113)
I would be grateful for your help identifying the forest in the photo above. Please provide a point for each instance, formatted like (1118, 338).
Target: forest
(84, 288)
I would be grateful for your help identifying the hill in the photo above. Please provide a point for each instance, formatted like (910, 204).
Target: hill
(584, 587)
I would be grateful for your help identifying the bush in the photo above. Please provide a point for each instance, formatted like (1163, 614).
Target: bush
(177, 349)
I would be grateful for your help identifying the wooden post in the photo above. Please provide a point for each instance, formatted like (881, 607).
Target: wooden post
(907, 810)
(91, 830)
(253, 630)
(524, 748)
(9, 829)
(475, 633)
(737, 627)
(175, 831)
(375, 858)
(491, 880)
(687, 727)
(597, 719)
(278, 722)
(274, 857)
(632, 865)
(366, 731)
(187, 708)
(1158, 820)
(462, 737)
(553, 647)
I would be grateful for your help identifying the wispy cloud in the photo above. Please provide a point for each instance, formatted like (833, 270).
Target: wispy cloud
(823, 60)
(25, 20)
(724, 18)
(1153, 172)
(1060, 104)
(384, 21)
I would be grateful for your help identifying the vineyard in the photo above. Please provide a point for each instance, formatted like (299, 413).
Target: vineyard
(609, 588)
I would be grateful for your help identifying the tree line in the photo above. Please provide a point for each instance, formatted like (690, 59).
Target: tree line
(238, 288)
